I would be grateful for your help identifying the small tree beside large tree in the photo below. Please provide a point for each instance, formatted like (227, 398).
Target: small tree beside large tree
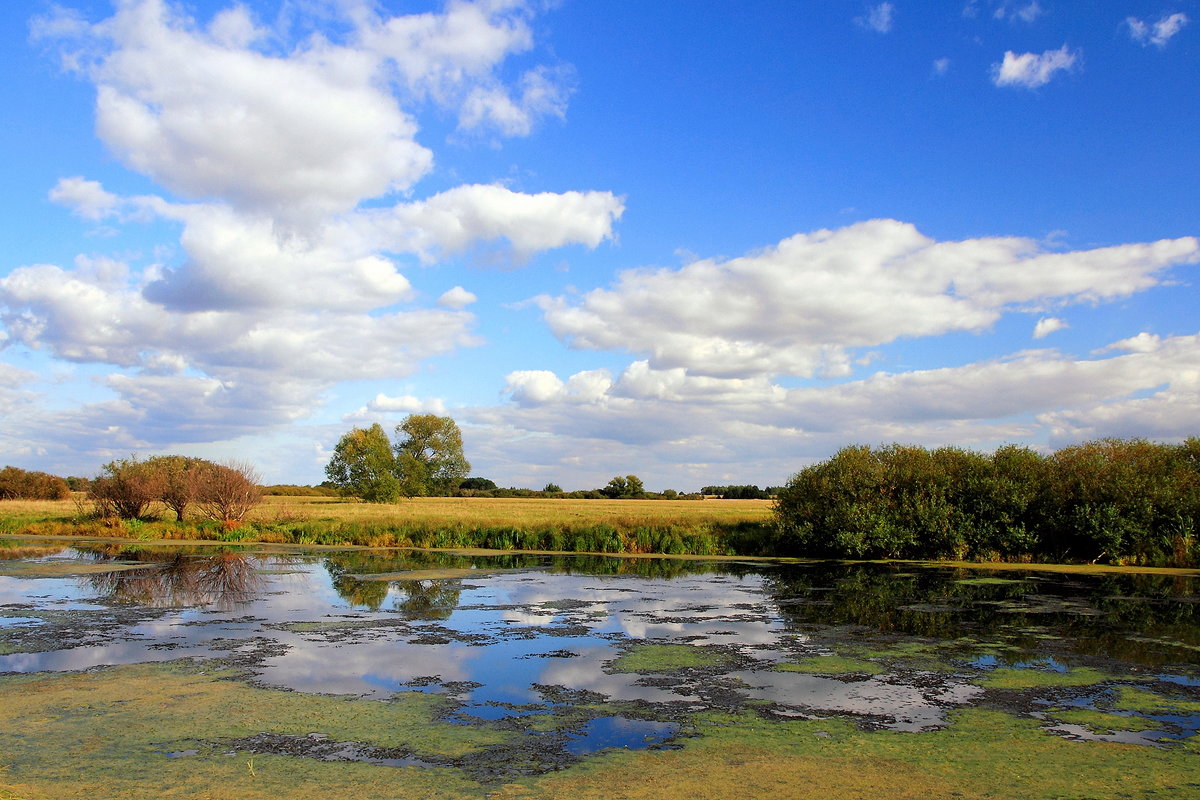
(428, 460)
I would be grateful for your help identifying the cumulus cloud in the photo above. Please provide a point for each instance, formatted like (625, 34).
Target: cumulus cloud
(286, 280)
(456, 298)
(802, 306)
(1030, 70)
(1156, 33)
(86, 198)
(215, 112)
(684, 428)
(384, 405)
(879, 18)
(451, 221)
(1048, 325)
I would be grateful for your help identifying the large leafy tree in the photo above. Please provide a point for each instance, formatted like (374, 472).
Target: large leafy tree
(363, 465)
(429, 458)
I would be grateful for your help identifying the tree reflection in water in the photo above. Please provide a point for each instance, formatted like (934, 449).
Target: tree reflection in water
(223, 581)
(429, 599)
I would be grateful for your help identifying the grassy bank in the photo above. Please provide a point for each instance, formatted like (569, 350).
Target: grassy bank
(715, 527)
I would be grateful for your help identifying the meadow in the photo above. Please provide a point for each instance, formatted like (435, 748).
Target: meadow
(700, 527)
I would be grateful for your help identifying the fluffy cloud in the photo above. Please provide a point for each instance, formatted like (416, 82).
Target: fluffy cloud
(1048, 325)
(383, 406)
(272, 145)
(802, 306)
(456, 298)
(86, 198)
(452, 221)
(226, 112)
(679, 427)
(1029, 70)
(1156, 33)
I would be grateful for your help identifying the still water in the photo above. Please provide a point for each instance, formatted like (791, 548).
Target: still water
(638, 643)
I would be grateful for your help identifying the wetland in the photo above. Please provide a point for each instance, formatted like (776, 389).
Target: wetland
(215, 671)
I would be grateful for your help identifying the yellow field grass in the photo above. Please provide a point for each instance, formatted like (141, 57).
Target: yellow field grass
(523, 512)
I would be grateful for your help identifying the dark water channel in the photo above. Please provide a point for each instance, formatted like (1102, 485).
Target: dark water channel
(630, 647)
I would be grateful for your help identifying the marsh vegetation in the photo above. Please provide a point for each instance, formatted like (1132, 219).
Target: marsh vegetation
(219, 670)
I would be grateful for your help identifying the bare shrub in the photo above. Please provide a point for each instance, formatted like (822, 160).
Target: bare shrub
(228, 492)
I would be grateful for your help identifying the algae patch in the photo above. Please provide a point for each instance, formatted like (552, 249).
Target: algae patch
(832, 665)
(666, 658)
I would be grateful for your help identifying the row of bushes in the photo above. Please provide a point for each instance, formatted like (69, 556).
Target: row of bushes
(19, 484)
(138, 490)
(1123, 501)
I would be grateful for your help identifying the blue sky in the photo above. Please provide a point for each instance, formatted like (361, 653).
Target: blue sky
(700, 242)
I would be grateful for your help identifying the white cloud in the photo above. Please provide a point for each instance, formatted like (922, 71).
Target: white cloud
(1157, 33)
(1048, 325)
(456, 298)
(86, 198)
(1024, 12)
(684, 431)
(1142, 343)
(286, 283)
(452, 221)
(542, 93)
(215, 113)
(879, 18)
(802, 306)
(1029, 70)
(12, 377)
(383, 405)
(941, 66)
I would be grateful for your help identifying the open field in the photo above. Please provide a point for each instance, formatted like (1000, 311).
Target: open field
(455, 511)
(702, 527)
(517, 511)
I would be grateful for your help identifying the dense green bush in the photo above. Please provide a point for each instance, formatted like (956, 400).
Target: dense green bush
(1125, 501)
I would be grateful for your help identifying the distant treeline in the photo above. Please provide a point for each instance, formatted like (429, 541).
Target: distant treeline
(20, 484)
(742, 492)
(1126, 501)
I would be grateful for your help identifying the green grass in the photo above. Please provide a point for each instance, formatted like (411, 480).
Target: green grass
(665, 658)
(1029, 678)
(832, 665)
(1135, 698)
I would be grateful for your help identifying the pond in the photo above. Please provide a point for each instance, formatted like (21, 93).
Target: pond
(554, 658)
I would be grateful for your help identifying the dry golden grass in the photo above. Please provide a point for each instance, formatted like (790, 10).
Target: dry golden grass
(521, 512)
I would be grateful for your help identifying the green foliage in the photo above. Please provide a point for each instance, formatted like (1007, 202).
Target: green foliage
(19, 484)
(1127, 501)
(737, 492)
(429, 459)
(364, 466)
(629, 487)
(552, 488)
(477, 484)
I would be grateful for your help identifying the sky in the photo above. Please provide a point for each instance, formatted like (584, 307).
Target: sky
(703, 242)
